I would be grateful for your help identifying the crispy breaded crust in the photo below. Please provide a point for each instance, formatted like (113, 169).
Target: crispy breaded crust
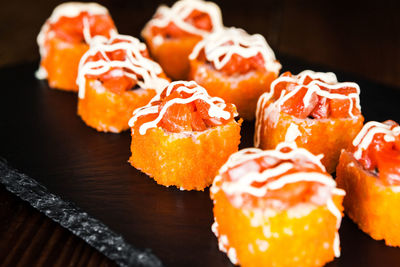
(172, 54)
(188, 161)
(107, 111)
(301, 236)
(242, 90)
(61, 63)
(319, 136)
(368, 202)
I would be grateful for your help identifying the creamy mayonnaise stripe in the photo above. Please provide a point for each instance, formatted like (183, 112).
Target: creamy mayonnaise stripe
(216, 109)
(328, 80)
(245, 183)
(221, 45)
(315, 87)
(135, 65)
(368, 132)
(180, 11)
(253, 153)
(70, 10)
(73, 9)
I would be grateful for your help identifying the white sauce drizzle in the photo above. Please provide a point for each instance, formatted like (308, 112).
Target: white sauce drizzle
(214, 228)
(368, 132)
(244, 184)
(41, 73)
(181, 10)
(336, 245)
(216, 109)
(86, 30)
(73, 9)
(328, 80)
(223, 244)
(70, 10)
(292, 133)
(253, 153)
(134, 64)
(221, 45)
(328, 77)
(232, 255)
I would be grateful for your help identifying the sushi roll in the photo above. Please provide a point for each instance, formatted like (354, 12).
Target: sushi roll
(183, 136)
(115, 78)
(66, 36)
(276, 208)
(235, 66)
(369, 171)
(173, 32)
(311, 109)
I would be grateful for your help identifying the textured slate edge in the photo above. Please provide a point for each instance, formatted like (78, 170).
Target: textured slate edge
(74, 219)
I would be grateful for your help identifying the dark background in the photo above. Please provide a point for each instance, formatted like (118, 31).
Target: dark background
(358, 37)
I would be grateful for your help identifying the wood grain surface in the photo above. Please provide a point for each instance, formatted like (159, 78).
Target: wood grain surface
(29, 238)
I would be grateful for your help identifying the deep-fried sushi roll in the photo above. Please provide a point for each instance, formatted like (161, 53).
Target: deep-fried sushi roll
(277, 208)
(173, 32)
(369, 171)
(183, 136)
(235, 66)
(66, 36)
(312, 109)
(115, 78)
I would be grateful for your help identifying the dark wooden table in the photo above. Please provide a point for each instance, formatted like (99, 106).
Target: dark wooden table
(29, 238)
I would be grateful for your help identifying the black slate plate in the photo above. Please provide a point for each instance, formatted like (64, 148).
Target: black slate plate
(42, 136)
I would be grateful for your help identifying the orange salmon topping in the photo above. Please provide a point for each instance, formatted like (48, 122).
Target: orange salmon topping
(279, 179)
(234, 51)
(377, 149)
(198, 19)
(315, 95)
(121, 64)
(71, 29)
(239, 64)
(183, 106)
(186, 18)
